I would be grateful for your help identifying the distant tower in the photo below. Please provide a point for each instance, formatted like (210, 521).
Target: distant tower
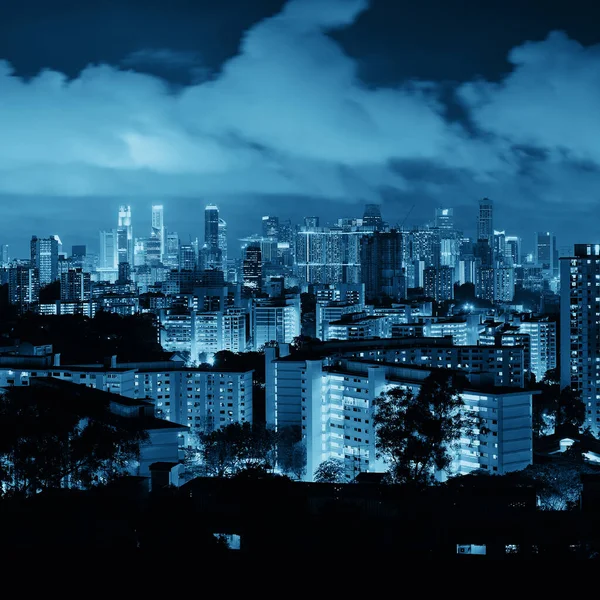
(444, 218)
(124, 235)
(158, 228)
(546, 252)
(485, 221)
(270, 227)
(372, 217)
(211, 226)
(108, 249)
(252, 267)
(222, 237)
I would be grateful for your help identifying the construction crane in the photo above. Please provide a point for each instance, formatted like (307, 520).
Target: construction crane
(406, 217)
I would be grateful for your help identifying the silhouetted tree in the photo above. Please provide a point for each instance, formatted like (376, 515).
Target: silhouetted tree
(50, 292)
(291, 451)
(51, 441)
(419, 434)
(232, 449)
(330, 471)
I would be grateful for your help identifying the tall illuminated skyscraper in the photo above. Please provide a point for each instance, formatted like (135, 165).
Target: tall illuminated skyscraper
(158, 228)
(485, 221)
(211, 226)
(444, 218)
(124, 235)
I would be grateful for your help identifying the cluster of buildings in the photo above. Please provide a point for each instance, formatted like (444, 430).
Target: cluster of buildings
(375, 294)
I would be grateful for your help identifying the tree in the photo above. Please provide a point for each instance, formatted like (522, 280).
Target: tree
(49, 440)
(419, 434)
(330, 471)
(234, 448)
(291, 452)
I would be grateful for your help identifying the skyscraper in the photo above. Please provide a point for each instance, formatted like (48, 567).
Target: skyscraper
(444, 218)
(270, 227)
(158, 228)
(546, 253)
(124, 235)
(252, 267)
(372, 220)
(580, 328)
(211, 226)
(485, 221)
(222, 242)
(108, 249)
(382, 267)
(44, 258)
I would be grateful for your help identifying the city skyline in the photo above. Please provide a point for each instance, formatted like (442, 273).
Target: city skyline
(142, 226)
(300, 107)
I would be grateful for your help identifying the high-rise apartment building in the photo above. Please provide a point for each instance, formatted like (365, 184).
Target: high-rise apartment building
(23, 287)
(75, 285)
(580, 328)
(44, 258)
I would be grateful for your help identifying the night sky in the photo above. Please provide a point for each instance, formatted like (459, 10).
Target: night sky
(297, 108)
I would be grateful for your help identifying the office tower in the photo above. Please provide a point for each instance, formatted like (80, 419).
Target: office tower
(270, 227)
(4, 255)
(75, 285)
(108, 258)
(125, 241)
(124, 273)
(222, 243)
(171, 257)
(252, 267)
(499, 247)
(211, 226)
(311, 221)
(188, 260)
(444, 218)
(372, 220)
(512, 250)
(485, 221)
(158, 228)
(546, 252)
(580, 328)
(382, 267)
(44, 258)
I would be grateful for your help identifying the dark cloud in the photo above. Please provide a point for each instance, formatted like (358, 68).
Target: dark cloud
(290, 115)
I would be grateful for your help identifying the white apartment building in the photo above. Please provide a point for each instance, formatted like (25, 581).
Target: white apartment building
(199, 399)
(542, 345)
(333, 403)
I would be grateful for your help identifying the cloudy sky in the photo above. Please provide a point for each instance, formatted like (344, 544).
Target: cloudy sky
(297, 108)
